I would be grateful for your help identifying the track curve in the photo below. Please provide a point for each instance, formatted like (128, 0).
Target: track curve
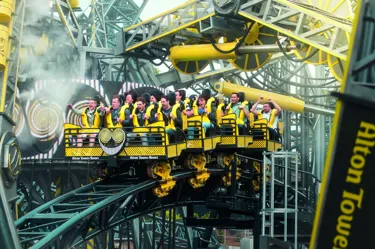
(98, 207)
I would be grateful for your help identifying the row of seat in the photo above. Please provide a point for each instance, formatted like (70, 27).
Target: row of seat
(227, 134)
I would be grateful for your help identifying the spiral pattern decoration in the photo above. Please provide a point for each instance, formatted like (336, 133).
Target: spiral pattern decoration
(46, 119)
(141, 88)
(105, 135)
(73, 118)
(19, 119)
(118, 135)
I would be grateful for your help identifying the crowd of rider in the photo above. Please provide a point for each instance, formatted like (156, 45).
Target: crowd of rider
(174, 109)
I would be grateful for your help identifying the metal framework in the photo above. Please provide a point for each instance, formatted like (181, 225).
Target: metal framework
(90, 52)
(10, 67)
(34, 191)
(285, 177)
(166, 23)
(116, 204)
(94, 31)
(52, 38)
(354, 123)
(323, 34)
(96, 208)
(63, 12)
(11, 38)
(303, 23)
(100, 23)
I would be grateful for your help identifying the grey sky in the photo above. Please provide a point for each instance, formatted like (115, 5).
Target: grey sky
(155, 7)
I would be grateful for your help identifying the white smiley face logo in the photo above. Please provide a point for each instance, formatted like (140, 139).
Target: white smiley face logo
(112, 142)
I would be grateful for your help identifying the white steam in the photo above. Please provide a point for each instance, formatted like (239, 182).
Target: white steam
(53, 97)
(46, 48)
(59, 92)
(48, 61)
(36, 10)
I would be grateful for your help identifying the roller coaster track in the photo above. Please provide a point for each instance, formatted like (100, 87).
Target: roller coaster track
(181, 232)
(84, 213)
(182, 238)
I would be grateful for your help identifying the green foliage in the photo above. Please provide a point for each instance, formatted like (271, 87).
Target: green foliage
(220, 235)
(238, 236)
(206, 216)
(178, 216)
(156, 70)
(159, 214)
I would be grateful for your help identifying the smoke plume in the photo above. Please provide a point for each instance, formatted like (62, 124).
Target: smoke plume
(60, 92)
(47, 59)
(36, 10)
(47, 51)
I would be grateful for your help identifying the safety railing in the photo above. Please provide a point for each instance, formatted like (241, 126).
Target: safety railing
(195, 130)
(308, 195)
(307, 190)
(268, 203)
(228, 131)
(146, 136)
(260, 131)
(76, 136)
(286, 199)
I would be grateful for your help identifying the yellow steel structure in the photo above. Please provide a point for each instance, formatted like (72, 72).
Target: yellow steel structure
(336, 67)
(41, 47)
(200, 12)
(69, 21)
(4, 38)
(256, 50)
(201, 52)
(340, 8)
(323, 27)
(6, 9)
(349, 102)
(74, 3)
(163, 170)
(298, 14)
(198, 162)
(6, 31)
(191, 59)
(252, 95)
(227, 163)
(11, 29)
